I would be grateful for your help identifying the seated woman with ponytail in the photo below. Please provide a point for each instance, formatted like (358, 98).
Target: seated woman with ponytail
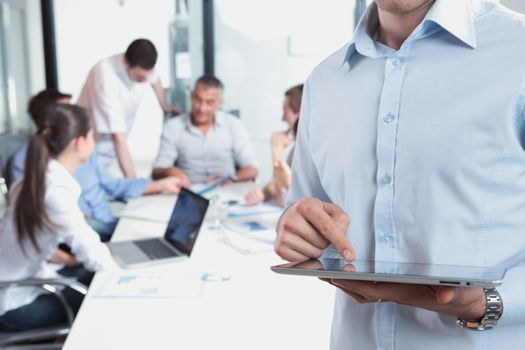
(43, 213)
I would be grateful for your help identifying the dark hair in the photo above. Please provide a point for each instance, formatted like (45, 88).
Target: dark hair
(209, 81)
(141, 53)
(40, 101)
(295, 94)
(62, 123)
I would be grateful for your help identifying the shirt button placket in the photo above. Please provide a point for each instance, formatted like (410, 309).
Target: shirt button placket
(386, 238)
(386, 149)
(206, 160)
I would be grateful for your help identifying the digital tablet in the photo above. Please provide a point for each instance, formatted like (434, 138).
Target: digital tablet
(396, 272)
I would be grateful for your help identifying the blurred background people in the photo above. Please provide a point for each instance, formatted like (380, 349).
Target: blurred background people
(207, 142)
(112, 94)
(43, 213)
(282, 143)
(97, 184)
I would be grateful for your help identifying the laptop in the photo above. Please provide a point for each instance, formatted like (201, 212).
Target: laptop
(178, 241)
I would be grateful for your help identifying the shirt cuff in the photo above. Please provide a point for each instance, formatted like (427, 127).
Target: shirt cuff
(511, 292)
(138, 188)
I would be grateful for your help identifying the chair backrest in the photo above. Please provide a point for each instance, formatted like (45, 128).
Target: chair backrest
(27, 339)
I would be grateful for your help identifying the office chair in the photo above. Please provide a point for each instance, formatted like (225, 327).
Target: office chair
(26, 339)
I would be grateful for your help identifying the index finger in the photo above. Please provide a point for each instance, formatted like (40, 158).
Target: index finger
(319, 217)
(340, 217)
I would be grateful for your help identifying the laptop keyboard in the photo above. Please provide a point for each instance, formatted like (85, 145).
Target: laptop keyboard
(155, 249)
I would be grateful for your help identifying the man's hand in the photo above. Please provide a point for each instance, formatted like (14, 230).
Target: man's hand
(160, 173)
(309, 226)
(465, 303)
(171, 184)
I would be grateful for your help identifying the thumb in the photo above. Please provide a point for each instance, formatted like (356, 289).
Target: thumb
(338, 239)
(445, 295)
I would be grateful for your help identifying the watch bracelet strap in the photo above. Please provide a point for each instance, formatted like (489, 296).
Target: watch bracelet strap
(493, 312)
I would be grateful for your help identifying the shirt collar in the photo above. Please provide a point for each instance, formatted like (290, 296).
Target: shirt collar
(219, 120)
(456, 17)
(460, 25)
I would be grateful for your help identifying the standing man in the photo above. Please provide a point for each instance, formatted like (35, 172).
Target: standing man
(112, 93)
(205, 143)
(411, 149)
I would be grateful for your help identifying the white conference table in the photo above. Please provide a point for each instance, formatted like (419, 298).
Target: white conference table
(235, 301)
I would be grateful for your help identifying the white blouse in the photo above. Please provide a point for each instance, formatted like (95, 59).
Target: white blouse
(17, 263)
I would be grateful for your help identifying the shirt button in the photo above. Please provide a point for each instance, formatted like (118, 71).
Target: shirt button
(387, 239)
(396, 61)
(389, 118)
(385, 180)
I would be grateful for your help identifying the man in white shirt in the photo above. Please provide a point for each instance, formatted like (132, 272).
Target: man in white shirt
(205, 143)
(112, 94)
(415, 131)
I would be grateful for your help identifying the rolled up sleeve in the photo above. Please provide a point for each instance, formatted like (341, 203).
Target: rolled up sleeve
(106, 104)
(121, 188)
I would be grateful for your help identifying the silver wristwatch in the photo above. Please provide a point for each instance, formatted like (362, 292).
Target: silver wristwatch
(493, 311)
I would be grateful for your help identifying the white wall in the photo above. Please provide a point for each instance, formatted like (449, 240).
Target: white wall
(89, 30)
(263, 47)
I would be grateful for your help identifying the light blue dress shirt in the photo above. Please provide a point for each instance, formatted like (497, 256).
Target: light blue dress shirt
(96, 183)
(423, 147)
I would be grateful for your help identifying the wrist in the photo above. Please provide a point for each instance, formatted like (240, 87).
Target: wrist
(153, 187)
(176, 172)
(492, 311)
(474, 312)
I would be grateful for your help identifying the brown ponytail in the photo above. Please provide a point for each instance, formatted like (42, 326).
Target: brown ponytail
(62, 123)
(295, 94)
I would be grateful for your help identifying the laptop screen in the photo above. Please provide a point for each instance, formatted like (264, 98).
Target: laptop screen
(186, 220)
